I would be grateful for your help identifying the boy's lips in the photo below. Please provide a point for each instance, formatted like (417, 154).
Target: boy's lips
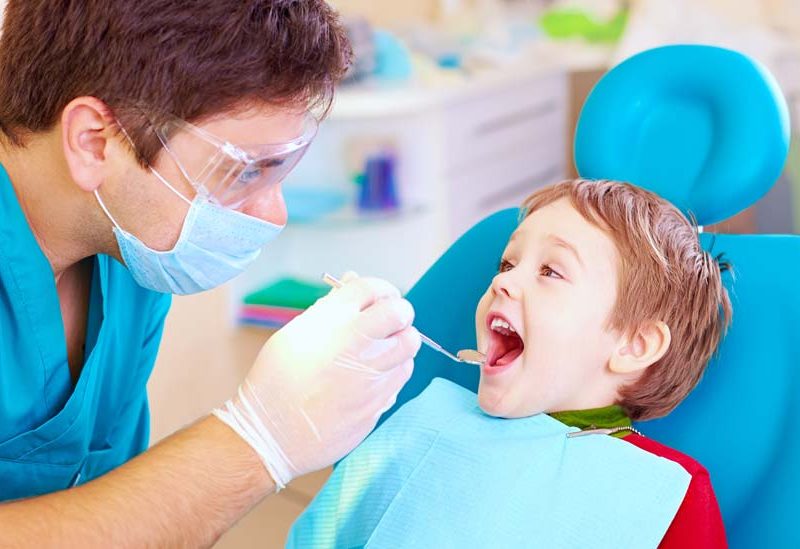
(505, 343)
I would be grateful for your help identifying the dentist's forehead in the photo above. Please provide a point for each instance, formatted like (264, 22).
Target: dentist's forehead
(256, 126)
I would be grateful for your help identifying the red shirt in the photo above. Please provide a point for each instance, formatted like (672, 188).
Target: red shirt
(698, 522)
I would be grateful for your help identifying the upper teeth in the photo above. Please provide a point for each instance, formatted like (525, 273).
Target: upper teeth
(500, 323)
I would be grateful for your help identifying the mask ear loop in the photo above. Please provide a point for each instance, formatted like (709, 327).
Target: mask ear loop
(169, 186)
(103, 206)
(152, 169)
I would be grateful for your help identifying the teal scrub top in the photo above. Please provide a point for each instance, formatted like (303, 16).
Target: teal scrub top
(54, 433)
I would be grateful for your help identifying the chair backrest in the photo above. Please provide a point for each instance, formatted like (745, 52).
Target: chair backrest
(739, 420)
(704, 127)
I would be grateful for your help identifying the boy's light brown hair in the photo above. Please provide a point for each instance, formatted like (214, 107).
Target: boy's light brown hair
(664, 275)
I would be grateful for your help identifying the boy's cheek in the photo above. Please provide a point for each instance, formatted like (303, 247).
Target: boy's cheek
(480, 337)
(480, 318)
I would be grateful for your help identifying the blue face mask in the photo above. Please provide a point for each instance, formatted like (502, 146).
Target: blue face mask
(215, 245)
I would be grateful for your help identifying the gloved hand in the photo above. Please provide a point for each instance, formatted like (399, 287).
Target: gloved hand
(320, 384)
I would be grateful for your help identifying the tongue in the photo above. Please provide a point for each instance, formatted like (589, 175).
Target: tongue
(509, 357)
(504, 348)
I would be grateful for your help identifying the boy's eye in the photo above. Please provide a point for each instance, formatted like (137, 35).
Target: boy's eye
(547, 271)
(504, 266)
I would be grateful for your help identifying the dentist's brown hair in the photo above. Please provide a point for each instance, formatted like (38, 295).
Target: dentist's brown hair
(193, 60)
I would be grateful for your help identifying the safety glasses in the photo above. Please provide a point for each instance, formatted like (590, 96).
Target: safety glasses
(231, 175)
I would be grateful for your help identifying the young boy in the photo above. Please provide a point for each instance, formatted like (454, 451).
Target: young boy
(605, 309)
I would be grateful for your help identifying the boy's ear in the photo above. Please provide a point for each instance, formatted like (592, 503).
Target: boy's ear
(644, 348)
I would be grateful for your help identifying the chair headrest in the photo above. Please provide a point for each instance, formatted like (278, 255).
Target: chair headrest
(704, 127)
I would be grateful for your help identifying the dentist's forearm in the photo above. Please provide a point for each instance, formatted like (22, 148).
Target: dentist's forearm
(186, 491)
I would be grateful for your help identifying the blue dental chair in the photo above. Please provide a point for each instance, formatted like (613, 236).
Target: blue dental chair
(706, 128)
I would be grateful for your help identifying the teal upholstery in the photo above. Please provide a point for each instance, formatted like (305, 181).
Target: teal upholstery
(740, 421)
(706, 128)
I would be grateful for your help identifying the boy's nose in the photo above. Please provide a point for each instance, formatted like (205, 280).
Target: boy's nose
(505, 284)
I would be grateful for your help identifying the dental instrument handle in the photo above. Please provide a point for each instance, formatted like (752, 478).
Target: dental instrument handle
(334, 282)
(436, 347)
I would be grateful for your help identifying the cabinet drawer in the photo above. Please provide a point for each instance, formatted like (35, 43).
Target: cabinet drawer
(483, 127)
(530, 140)
(480, 192)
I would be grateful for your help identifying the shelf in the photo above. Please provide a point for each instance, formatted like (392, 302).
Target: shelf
(370, 100)
(350, 217)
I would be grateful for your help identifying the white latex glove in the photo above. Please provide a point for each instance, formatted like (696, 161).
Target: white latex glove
(320, 384)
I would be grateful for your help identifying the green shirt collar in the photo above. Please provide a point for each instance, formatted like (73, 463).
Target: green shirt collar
(596, 418)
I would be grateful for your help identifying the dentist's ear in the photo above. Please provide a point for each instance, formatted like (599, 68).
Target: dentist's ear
(643, 349)
(85, 126)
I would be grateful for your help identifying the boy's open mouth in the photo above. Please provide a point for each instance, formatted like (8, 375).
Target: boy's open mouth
(505, 344)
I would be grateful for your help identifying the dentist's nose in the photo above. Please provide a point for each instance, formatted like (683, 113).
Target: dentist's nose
(269, 205)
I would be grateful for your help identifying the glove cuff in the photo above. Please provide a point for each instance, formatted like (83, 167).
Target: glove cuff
(239, 414)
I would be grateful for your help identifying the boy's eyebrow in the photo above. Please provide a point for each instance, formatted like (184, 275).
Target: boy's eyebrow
(561, 243)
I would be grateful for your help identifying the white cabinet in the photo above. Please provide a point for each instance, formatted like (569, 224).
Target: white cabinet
(501, 146)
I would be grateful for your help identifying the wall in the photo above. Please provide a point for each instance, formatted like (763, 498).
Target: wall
(389, 13)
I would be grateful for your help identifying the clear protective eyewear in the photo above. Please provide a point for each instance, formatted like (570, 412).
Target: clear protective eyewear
(231, 175)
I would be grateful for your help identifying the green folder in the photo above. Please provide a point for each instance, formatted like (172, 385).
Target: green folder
(288, 292)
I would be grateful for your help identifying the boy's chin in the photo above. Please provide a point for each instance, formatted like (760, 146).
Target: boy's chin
(501, 404)
(490, 401)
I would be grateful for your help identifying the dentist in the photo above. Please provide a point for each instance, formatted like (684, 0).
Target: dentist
(142, 149)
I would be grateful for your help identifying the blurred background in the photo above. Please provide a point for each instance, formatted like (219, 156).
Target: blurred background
(453, 109)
